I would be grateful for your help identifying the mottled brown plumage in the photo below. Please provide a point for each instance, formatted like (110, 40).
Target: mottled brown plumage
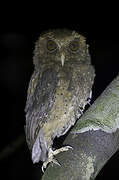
(59, 89)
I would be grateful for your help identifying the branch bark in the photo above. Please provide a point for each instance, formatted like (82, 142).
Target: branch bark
(94, 138)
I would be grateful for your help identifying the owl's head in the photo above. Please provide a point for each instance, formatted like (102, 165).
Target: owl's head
(61, 46)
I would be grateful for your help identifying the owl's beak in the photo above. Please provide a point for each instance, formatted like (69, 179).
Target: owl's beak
(62, 59)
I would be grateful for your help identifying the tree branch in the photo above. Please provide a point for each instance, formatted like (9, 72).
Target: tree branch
(94, 138)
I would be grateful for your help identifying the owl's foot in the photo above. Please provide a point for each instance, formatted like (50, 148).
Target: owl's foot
(51, 155)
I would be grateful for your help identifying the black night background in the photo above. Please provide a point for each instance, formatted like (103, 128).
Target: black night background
(20, 28)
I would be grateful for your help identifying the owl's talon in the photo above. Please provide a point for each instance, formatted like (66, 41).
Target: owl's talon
(51, 155)
(43, 167)
(62, 149)
(66, 148)
(55, 161)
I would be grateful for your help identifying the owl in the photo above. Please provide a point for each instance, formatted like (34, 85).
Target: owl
(59, 89)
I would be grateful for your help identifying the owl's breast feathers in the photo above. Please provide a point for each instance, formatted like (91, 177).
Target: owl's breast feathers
(54, 98)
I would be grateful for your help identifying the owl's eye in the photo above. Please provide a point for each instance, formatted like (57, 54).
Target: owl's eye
(74, 46)
(51, 45)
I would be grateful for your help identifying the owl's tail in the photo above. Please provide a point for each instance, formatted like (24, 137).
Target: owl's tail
(39, 150)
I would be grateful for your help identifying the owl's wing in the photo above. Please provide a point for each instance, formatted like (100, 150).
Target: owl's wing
(31, 88)
(39, 102)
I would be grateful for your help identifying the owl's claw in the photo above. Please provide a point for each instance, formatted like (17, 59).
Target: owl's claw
(51, 155)
(43, 167)
(55, 161)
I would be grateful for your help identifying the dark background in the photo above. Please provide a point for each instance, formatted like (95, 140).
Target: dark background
(20, 27)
